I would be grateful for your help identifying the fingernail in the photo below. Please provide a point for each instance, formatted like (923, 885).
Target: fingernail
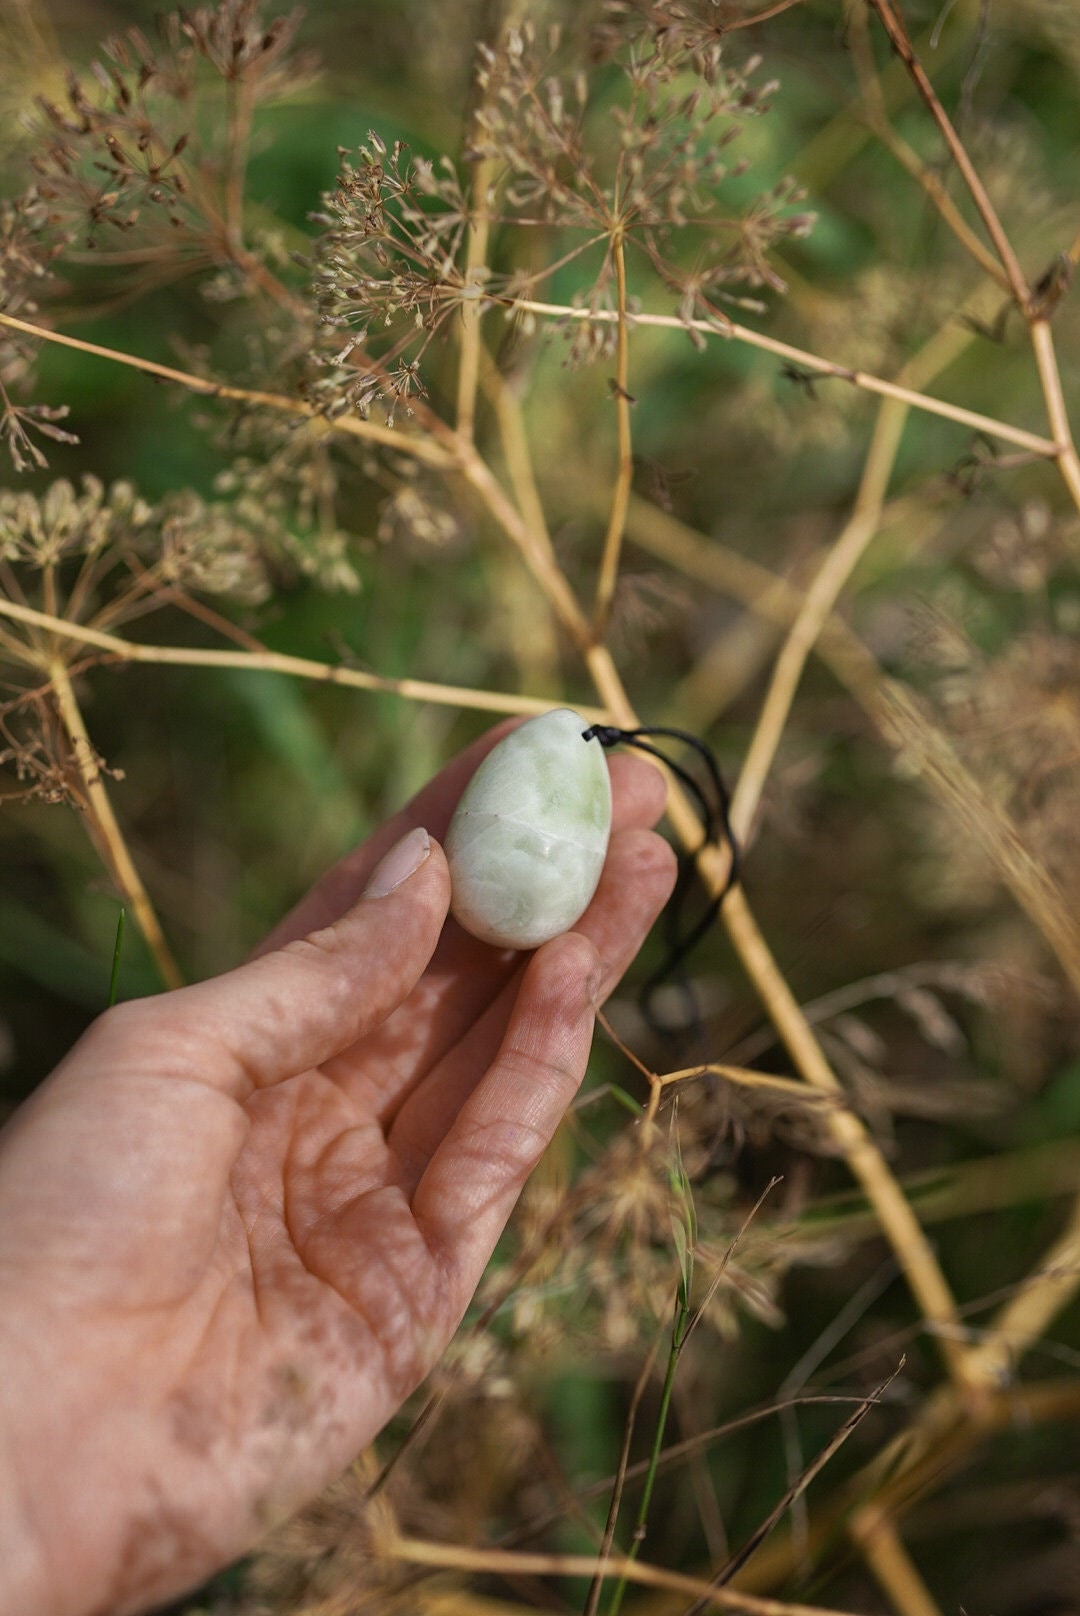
(403, 860)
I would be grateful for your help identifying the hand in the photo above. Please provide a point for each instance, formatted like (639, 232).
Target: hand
(240, 1222)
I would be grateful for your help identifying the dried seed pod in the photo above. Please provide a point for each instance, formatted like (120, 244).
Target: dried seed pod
(528, 839)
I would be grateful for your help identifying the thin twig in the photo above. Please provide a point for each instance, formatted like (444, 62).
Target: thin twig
(476, 247)
(732, 331)
(745, 1077)
(613, 538)
(878, 118)
(796, 1490)
(919, 1461)
(420, 448)
(105, 829)
(1042, 339)
(1042, 342)
(876, 1535)
(541, 562)
(760, 16)
(815, 611)
(517, 455)
(1025, 1318)
(592, 1602)
(492, 1562)
(900, 40)
(487, 701)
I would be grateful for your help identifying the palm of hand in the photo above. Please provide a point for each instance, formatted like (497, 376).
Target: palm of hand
(260, 1254)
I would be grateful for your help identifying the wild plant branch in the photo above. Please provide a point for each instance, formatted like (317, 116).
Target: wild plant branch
(114, 648)
(425, 449)
(437, 453)
(495, 1562)
(929, 179)
(817, 606)
(476, 247)
(900, 41)
(1028, 301)
(105, 830)
(734, 332)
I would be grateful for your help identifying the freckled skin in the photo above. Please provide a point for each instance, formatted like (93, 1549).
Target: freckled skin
(241, 1220)
(527, 843)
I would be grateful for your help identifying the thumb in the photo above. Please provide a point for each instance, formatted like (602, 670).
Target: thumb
(292, 1009)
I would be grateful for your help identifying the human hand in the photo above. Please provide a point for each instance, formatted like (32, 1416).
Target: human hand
(241, 1221)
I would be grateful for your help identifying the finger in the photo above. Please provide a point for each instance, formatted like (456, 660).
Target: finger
(466, 978)
(636, 883)
(468, 1191)
(297, 1007)
(638, 796)
(432, 807)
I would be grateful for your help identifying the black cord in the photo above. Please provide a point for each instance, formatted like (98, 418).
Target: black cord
(716, 826)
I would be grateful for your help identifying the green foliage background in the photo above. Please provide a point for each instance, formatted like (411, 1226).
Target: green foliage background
(239, 788)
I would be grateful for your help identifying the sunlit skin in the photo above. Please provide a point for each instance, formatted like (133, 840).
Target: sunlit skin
(240, 1222)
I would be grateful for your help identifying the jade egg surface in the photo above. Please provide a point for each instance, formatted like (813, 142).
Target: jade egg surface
(528, 839)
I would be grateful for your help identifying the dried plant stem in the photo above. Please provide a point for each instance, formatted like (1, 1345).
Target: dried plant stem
(1028, 1314)
(878, 118)
(901, 43)
(915, 1465)
(475, 254)
(745, 1078)
(898, 1221)
(732, 331)
(875, 1533)
(592, 1602)
(492, 1562)
(1039, 326)
(428, 450)
(613, 538)
(487, 701)
(679, 1331)
(1042, 342)
(439, 450)
(815, 611)
(760, 16)
(833, 574)
(539, 559)
(105, 830)
(516, 453)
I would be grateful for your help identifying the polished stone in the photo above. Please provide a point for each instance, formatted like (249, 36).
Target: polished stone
(528, 839)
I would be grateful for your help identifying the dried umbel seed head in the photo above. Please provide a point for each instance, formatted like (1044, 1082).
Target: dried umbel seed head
(528, 839)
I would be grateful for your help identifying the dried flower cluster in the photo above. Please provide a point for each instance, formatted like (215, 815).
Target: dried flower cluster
(642, 163)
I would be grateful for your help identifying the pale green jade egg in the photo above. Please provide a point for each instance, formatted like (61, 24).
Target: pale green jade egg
(528, 839)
